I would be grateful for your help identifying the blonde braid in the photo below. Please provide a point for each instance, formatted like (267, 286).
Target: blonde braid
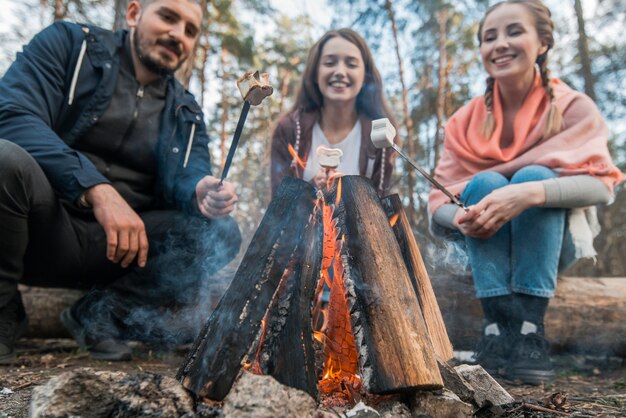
(490, 121)
(554, 121)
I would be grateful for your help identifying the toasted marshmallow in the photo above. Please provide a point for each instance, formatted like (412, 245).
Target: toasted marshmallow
(254, 87)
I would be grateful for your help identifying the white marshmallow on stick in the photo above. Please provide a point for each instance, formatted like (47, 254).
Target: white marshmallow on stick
(329, 157)
(383, 134)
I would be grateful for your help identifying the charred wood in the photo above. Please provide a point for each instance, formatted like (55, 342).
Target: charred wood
(215, 359)
(291, 357)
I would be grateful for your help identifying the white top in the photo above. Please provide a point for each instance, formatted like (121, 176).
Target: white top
(350, 145)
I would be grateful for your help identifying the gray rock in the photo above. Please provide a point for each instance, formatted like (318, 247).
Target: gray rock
(440, 404)
(87, 393)
(394, 409)
(454, 382)
(487, 391)
(263, 397)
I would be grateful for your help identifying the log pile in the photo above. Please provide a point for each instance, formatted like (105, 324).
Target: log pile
(264, 320)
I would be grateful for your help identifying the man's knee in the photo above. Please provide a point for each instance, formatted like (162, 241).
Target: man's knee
(18, 174)
(533, 173)
(15, 162)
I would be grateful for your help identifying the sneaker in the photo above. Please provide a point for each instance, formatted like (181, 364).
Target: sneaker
(530, 362)
(108, 349)
(13, 322)
(493, 351)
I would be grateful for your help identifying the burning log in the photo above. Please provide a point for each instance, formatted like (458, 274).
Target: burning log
(375, 337)
(419, 278)
(215, 359)
(395, 351)
(289, 348)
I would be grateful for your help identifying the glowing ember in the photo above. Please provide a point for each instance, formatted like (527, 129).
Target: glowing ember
(255, 366)
(297, 159)
(338, 198)
(393, 220)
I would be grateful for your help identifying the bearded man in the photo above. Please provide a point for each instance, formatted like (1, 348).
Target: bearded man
(105, 181)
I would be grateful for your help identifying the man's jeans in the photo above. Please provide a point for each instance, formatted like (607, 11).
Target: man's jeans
(523, 256)
(50, 243)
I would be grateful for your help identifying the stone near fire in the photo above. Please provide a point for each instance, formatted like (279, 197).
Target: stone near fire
(361, 410)
(85, 392)
(453, 381)
(263, 397)
(487, 391)
(439, 404)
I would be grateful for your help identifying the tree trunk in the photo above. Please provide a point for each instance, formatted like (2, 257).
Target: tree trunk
(583, 51)
(223, 133)
(43, 306)
(284, 89)
(442, 18)
(408, 121)
(204, 59)
(119, 20)
(587, 314)
(59, 10)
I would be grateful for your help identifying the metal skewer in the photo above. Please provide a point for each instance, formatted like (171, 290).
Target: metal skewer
(382, 136)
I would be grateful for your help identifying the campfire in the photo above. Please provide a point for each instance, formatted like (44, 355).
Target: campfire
(380, 332)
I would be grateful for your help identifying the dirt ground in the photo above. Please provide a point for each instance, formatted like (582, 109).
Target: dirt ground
(592, 386)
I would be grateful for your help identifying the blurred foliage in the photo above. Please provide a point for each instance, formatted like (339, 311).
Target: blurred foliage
(239, 35)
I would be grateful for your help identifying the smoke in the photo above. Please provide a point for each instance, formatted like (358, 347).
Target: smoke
(168, 301)
(446, 257)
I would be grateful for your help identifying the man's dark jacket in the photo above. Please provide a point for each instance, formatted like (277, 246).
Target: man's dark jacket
(58, 88)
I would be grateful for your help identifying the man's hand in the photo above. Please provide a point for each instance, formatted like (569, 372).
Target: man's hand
(125, 231)
(215, 201)
(485, 218)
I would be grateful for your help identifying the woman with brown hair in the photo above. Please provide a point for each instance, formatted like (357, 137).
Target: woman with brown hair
(530, 160)
(340, 94)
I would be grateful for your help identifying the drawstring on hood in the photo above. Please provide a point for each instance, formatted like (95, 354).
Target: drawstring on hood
(189, 143)
(79, 63)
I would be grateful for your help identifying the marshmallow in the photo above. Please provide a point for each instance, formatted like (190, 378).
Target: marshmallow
(254, 87)
(383, 133)
(329, 157)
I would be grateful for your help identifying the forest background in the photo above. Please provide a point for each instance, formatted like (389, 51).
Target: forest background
(428, 57)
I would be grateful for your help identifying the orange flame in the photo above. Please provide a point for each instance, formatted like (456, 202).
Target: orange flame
(338, 198)
(341, 365)
(294, 154)
(255, 366)
(393, 220)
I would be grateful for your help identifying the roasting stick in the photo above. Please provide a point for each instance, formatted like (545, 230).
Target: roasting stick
(382, 136)
(254, 87)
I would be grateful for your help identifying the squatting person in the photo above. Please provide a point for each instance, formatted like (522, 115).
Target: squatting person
(105, 179)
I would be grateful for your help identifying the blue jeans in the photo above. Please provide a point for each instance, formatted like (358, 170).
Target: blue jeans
(523, 256)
